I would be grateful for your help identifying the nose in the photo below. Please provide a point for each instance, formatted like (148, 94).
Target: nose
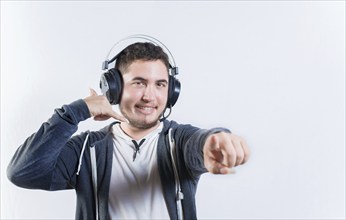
(149, 93)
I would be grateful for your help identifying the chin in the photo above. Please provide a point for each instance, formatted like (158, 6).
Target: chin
(143, 125)
(142, 121)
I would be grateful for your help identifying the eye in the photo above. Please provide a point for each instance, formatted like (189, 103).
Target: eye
(138, 83)
(161, 84)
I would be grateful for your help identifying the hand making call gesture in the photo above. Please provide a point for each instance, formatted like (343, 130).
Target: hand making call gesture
(100, 108)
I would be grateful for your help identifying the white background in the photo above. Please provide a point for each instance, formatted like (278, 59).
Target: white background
(271, 71)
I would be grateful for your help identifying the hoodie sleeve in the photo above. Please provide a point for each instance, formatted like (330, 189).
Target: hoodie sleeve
(38, 159)
(190, 144)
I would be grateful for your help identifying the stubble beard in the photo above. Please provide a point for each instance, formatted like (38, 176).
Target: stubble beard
(140, 124)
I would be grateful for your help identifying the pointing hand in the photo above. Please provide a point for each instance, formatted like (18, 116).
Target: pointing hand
(223, 151)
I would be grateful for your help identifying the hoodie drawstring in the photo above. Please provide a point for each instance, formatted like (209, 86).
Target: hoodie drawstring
(93, 170)
(94, 178)
(81, 154)
(179, 195)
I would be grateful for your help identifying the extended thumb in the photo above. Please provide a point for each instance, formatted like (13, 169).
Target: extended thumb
(92, 92)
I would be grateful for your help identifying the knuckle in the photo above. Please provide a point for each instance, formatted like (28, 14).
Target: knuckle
(240, 157)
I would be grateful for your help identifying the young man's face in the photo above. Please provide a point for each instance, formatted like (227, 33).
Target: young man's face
(145, 93)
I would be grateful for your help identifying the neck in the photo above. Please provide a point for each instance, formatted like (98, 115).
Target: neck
(137, 133)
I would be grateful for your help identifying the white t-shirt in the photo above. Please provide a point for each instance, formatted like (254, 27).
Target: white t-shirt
(135, 188)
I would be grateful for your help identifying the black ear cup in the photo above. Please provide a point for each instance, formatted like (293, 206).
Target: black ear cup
(173, 91)
(111, 84)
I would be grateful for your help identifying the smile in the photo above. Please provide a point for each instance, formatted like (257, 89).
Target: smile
(146, 109)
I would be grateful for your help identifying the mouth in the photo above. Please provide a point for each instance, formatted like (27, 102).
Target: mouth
(146, 109)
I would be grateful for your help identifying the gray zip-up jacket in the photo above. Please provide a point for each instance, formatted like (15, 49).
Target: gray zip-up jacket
(51, 158)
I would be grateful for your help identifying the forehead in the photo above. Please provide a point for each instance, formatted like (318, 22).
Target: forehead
(147, 69)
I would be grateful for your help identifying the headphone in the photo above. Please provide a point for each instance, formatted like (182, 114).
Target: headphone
(111, 82)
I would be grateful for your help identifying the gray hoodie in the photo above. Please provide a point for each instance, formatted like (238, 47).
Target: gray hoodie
(51, 158)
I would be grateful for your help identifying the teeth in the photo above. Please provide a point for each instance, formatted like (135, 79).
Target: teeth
(146, 109)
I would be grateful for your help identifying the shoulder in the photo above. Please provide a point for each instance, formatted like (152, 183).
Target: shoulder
(94, 137)
(188, 130)
(179, 129)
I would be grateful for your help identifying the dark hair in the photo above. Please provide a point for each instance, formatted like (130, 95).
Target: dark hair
(140, 51)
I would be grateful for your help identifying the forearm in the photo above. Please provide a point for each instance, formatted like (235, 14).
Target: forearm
(34, 162)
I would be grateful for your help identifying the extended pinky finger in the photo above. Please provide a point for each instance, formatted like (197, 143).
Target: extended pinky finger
(118, 117)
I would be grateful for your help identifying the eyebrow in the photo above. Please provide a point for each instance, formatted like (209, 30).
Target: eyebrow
(144, 80)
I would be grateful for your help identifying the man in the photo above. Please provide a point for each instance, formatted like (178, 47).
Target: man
(142, 166)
